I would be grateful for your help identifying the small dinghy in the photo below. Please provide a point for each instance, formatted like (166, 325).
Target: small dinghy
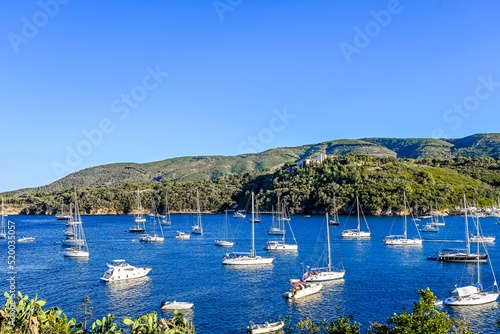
(265, 328)
(176, 305)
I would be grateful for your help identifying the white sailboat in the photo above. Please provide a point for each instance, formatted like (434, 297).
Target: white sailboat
(435, 217)
(474, 294)
(155, 237)
(63, 216)
(328, 273)
(247, 258)
(481, 238)
(225, 242)
(139, 219)
(334, 221)
(73, 238)
(402, 240)
(198, 228)
(277, 245)
(2, 226)
(79, 250)
(278, 229)
(167, 221)
(357, 233)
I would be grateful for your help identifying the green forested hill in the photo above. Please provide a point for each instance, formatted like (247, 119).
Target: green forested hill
(379, 182)
(211, 167)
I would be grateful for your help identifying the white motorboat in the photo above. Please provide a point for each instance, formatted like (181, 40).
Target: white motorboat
(265, 328)
(79, 243)
(325, 273)
(430, 228)
(486, 239)
(183, 236)
(119, 270)
(139, 219)
(225, 242)
(198, 228)
(151, 238)
(403, 240)
(26, 239)
(239, 214)
(474, 294)
(302, 289)
(175, 305)
(357, 233)
(247, 258)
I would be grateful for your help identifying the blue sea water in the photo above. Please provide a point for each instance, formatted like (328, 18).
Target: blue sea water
(379, 280)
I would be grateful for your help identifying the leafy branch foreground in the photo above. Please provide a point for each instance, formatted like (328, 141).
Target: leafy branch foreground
(20, 315)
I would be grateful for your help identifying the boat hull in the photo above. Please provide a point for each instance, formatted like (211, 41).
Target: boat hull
(265, 328)
(224, 243)
(76, 254)
(310, 289)
(247, 261)
(176, 305)
(403, 242)
(475, 299)
(281, 247)
(126, 275)
(471, 258)
(356, 234)
(323, 276)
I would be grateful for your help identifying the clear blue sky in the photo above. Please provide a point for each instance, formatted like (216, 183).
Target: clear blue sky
(338, 69)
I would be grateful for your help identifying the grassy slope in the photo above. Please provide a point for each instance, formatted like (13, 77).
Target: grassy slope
(211, 167)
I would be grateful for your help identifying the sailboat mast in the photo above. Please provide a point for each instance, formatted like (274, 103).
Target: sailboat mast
(406, 224)
(357, 206)
(328, 238)
(335, 213)
(199, 213)
(467, 242)
(252, 251)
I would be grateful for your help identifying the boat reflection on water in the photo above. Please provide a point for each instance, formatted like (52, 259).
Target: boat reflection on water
(127, 289)
(475, 314)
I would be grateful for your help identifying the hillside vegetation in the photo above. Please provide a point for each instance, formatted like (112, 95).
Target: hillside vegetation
(211, 167)
(379, 183)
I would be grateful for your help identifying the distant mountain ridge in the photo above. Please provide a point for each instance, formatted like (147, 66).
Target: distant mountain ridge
(195, 168)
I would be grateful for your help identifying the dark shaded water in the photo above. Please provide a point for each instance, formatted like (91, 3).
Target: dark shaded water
(379, 280)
